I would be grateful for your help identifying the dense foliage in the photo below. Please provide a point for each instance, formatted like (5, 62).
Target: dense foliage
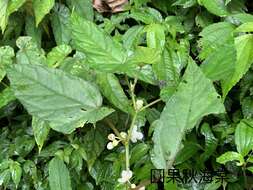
(93, 100)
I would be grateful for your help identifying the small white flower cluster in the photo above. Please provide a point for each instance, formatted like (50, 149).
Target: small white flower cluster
(126, 175)
(136, 135)
(114, 141)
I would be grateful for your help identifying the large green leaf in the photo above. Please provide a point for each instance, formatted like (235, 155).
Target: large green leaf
(6, 55)
(244, 50)
(67, 102)
(192, 100)
(101, 51)
(59, 178)
(244, 137)
(41, 8)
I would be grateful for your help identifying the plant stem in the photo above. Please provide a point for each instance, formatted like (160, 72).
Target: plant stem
(150, 104)
(132, 88)
(127, 156)
(245, 176)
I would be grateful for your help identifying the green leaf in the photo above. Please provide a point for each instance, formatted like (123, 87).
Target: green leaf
(211, 142)
(60, 24)
(230, 156)
(214, 185)
(14, 5)
(220, 64)
(29, 52)
(5, 177)
(94, 143)
(54, 95)
(190, 103)
(144, 55)
(189, 150)
(112, 90)
(41, 9)
(40, 131)
(244, 49)
(6, 8)
(216, 7)
(6, 55)
(245, 27)
(6, 96)
(33, 31)
(146, 15)
(59, 178)
(132, 36)
(57, 55)
(155, 36)
(3, 14)
(244, 137)
(102, 52)
(220, 51)
(83, 8)
(250, 169)
(214, 37)
(16, 172)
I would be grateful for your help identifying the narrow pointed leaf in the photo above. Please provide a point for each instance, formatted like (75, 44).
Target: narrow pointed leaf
(40, 131)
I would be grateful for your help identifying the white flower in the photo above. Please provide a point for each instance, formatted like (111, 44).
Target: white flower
(142, 188)
(136, 135)
(125, 176)
(111, 137)
(139, 104)
(110, 146)
(123, 135)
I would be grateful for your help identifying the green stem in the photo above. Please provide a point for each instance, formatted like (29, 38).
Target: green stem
(127, 156)
(150, 104)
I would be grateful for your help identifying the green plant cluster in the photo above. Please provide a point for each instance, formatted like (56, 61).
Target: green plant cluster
(95, 101)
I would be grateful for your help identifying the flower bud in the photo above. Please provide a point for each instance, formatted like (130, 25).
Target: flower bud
(123, 135)
(111, 137)
(110, 146)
